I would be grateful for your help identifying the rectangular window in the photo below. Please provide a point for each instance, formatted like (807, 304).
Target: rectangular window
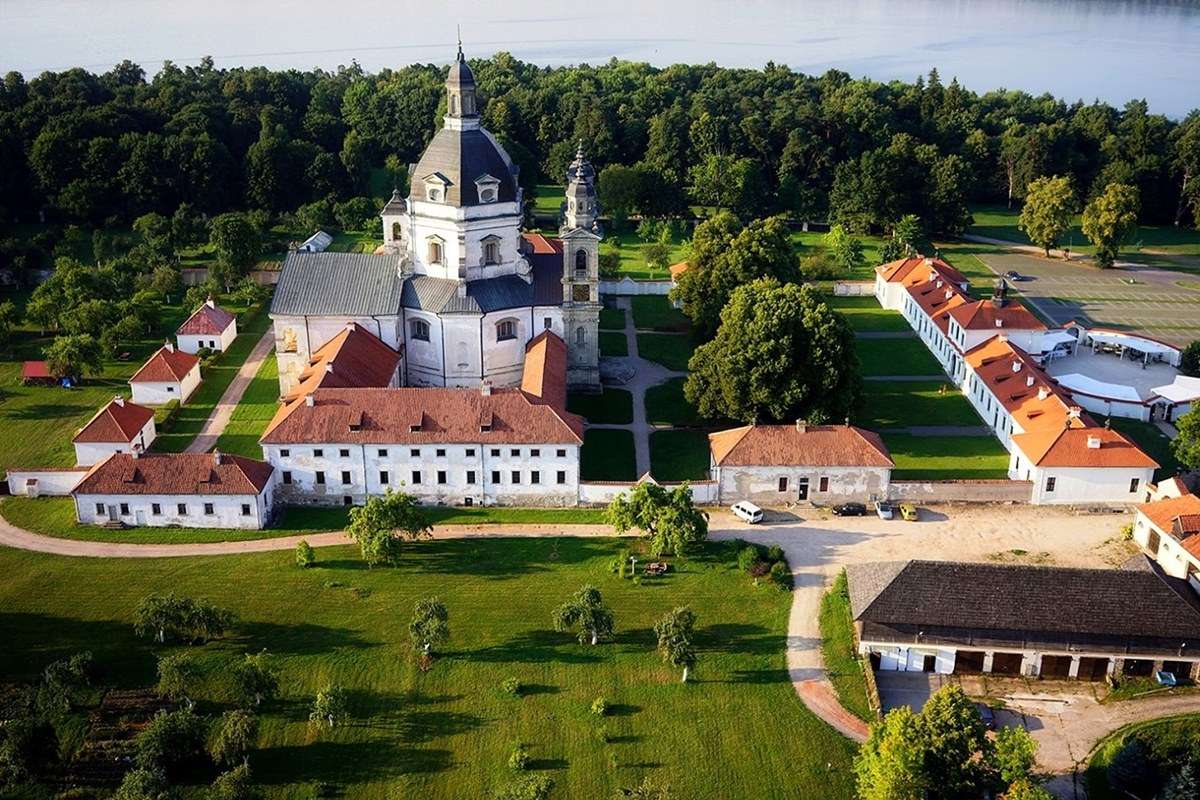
(441, 478)
(535, 477)
(561, 453)
(441, 452)
(170, 390)
(562, 476)
(381, 452)
(318, 452)
(343, 453)
(347, 500)
(535, 453)
(155, 509)
(100, 508)
(287, 478)
(383, 477)
(470, 452)
(284, 453)
(823, 484)
(416, 476)
(1050, 484)
(515, 452)
(182, 509)
(245, 509)
(471, 476)
(320, 478)
(783, 484)
(208, 509)
(546, 322)
(495, 452)
(415, 453)
(496, 477)
(124, 509)
(1133, 484)
(516, 476)
(345, 477)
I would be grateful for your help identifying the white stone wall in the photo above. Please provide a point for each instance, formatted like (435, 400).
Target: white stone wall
(155, 393)
(1112, 408)
(761, 484)
(462, 231)
(138, 510)
(88, 453)
(1078, 485)
(989, 409)
(462, 347)
(191, 343)
(443, 473)
(43, 482)
(1174, 560)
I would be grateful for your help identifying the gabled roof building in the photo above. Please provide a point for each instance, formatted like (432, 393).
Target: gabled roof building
(118, 427)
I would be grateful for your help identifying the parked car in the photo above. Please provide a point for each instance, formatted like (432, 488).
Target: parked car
(1013, 275)
(908, 512)
(850, 510)
(885, 510)
(747, 512)
(987, 715)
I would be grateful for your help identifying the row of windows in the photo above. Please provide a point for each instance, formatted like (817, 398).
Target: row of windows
(441, 478)
(439, 452)
(435, 250)
(1052, 482)
(822, 484)
(506, 329)
(181, 509)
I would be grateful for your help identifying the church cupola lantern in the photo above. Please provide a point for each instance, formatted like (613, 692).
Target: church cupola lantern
(460, 90)
(581, 209)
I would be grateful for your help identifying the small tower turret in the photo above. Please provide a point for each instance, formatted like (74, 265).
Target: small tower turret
(580, 234)
(462, 109)
(582, 209)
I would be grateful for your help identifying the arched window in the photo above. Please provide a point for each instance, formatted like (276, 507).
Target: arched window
(396, 229)
(419, 329)
(435, 254)
(506, 329)
(580, 336)
(581, 262)
(571, 205)
(453, 104)
(491, 252)
(434, 194)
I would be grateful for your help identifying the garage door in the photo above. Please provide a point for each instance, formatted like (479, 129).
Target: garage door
(1093, 669)
(1182, 670)
(1007, 663)
(1056, 667)
(1137, 667)
(968, 662)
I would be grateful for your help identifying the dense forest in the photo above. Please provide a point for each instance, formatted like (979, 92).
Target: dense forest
(105, 149)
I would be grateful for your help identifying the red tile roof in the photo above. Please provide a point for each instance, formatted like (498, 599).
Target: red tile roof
(543, 245)
(794, 445)
(1162, 514)
(119, 421)
(422, 416)
(984, 314)
(1033, 399)
(918, 268)
(937, 298)
(35, 369)
(545, 373)
(167, 365)
(355, 358)
(1081, 447)
(678, 269)
(207, 320)
(176, 474)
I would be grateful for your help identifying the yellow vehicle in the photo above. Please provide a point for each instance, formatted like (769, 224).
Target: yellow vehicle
(908, 512)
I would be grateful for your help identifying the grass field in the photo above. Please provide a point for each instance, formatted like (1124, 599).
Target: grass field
(607, 455)
(655, 313)
(737, 731)
(216, 379)
(896, 357)
(902, 404)
(610, 407)
(672, 350)
(613, 343)
(946, 457)
(548, 198)
(811, 242)
(998, 222)
(633, 253)
(844, 669)
(865, 314)
(666, 405)
(612, 319)
(258, 405)
(679, 455)
(1176, 736)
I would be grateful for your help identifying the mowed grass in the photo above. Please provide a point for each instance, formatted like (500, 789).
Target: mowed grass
(1151, 440)
(666, 405)
(810, 242)
(633, 253)
(612, 319)
(865, 314)
(607, 455)
(842, 665)
(999, 222)
(1171, 737)
(672, 350)
(679, 455)
(882, 357)
(655, 313)
(738, 730)
(249, 419)
(609, 407)
(613, 343)
(946, 457)
(903, 404)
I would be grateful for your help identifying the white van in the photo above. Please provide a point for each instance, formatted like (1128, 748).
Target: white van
(747, 512)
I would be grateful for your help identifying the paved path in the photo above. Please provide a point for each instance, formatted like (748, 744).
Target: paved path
(214, 426)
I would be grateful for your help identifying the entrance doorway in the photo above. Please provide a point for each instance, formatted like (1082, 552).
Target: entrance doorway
(802, 489)
(1056, 667)
(968, 662)
(1007, 663)
(1092, 669)
(929, 664)
(112, 513)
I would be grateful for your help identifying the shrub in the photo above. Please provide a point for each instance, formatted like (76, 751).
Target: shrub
(511, 687)
(774, 553)
(527, 787)
(519, 758)
(620, 562)
(1127, 531)
(747, 558)
(305, 557)
(234, 785)
(759, 569)
(600, 706)
(819, 266)
(172, 742)
(781, 576)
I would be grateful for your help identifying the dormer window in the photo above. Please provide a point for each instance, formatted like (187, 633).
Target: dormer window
(435, 187)
(434, 194)
(488, 188)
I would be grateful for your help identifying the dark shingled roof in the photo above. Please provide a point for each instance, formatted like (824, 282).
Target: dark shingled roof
(461, 157)
(440, 295)
(336, 284)
(1135, 609)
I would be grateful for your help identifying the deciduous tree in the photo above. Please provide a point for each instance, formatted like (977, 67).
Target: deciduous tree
(586, 611)
(383, 522)
(329, 707)
(255, 680)
(430, 625)
(178, 674)
(668, 516)
(235, 241)
(1046, 215)
(676, 633)
(891, 763)
(73, 356)
(1109, 220)
(1186, 446)
(846, 250)
(235, 735)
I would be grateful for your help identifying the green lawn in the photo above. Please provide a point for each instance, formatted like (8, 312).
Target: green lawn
(610, 407)
(946, 457)
(666, 405)
(216, 379)
(1171, 739)
(811, 242)
(632, 251)
(250, 418)
(865, 314)
(655, 313)
(672, 350)
(1154, 442)
(613, 343)
(842, 664)
(902, 404)
(607, 455)
(679, 455)
(612, 319)
(548, 198)
(896, 357)
(998, 222)
(738, 730)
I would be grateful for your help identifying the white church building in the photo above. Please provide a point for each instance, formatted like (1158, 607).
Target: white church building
(457, 288)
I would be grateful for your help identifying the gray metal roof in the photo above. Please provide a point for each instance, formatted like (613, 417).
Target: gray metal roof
(461, 157)
(334, 284)
(440, 295)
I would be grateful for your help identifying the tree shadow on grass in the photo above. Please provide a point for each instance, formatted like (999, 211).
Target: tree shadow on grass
(481, 557)
(623, 710)
(756, 676)
(735, 637)
(546, 764)
(373, 760)
(410, 717)
(299, 639)
(529, 690)
(536, 647)
(639, 638)
(31, 641)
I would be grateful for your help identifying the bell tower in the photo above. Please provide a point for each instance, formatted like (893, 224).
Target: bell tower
(580, 234)
(462, 108)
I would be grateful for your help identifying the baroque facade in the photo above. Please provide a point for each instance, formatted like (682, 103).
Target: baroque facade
(457, 288)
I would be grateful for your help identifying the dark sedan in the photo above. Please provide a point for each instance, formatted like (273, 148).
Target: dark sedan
(850, 510)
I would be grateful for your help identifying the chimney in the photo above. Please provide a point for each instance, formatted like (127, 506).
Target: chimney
(210, 302)
(929, 262)
(485, 388)
(135, 452)
(949, 294)
(1074, 412)
(120, 401)
(939, 283)
(1016, 366)
(802, 426)
(1029, 380)
(999, 323)
(308, 400)
(1043, 393)
(216, 458)
(1093, 442)
(170, 348)
(329, 367)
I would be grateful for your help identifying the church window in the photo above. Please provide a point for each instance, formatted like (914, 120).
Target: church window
(506, 329)
(581, 263)
(491, 252)
(419, 329)
(434, 194)
(453, 104)
(487, 195)
(435, 251)
(580, 336)
(396, 236)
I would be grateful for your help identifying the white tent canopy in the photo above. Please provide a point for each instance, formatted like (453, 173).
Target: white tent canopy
(1134, 342)
(1183, 390)
(1110, 391)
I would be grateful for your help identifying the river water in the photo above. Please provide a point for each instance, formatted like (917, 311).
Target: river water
(1077, 49)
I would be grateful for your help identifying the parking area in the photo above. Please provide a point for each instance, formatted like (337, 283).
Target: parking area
(1161, 304)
